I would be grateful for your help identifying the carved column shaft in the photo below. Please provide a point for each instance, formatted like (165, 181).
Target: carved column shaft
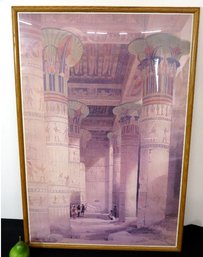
(110, 173)
(129, 167)
(85, 136)
(33, 103)
(128, 117)
(77, 112)
(58, 56)
(116, 170)
(155, 139)
(115, 162)
(154, 159)
(159, 59)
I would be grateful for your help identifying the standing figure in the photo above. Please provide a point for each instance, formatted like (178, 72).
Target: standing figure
(78, 210)
(83, 210)
(115, 211)
(73, 212)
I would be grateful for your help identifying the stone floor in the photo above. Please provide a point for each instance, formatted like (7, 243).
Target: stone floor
(90, 230)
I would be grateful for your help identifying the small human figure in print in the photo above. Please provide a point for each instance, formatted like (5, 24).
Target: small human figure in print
(83, 210)
(78, 210)
(73, 212)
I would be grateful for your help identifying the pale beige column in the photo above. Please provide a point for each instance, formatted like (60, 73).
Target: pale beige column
(159, 60)
(116, 168)
(85, 136)
(110, 173)
(61, 50)
(34, 131)
(128, 117)
(77, 112)
(114, 138)
(97, 177)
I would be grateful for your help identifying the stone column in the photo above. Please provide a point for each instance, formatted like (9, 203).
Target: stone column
(97, 177)
(33, 121)
(85, 136)
(128, 117)
(61, 51)
(77, 112)
(114, 138)
(159, 60)
(110, 173)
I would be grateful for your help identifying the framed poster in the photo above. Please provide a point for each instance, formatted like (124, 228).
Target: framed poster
(104, 104)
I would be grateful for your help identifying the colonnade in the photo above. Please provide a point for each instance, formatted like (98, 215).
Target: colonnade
(146, 130)
(158, 57)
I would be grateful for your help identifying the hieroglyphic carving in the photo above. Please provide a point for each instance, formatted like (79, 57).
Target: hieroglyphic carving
(56, 133)
(98, 93)
(156, 111)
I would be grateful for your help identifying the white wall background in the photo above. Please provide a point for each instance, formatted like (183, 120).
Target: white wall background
(11, 206)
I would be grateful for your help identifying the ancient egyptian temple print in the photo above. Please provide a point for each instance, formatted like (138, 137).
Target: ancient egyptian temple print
(104, 111)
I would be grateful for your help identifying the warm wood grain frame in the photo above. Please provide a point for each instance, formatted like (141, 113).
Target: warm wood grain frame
(32, 170)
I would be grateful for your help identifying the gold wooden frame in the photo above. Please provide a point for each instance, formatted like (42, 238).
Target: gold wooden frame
(97, 9)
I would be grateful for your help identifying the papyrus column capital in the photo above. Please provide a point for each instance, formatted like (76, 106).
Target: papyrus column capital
(158, 57)
(77, 111)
